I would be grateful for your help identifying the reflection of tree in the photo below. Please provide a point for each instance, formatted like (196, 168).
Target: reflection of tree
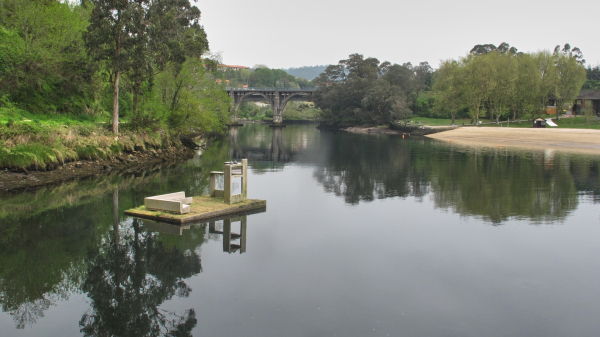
(496, 185)
(363, 169)
(129, 279)
(42, 260)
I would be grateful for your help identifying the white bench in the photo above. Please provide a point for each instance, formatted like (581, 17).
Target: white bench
(172, 202)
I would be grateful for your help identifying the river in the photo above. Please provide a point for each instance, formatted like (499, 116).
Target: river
(364, 235)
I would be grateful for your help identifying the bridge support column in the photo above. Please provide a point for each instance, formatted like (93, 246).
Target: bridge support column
(277, 108)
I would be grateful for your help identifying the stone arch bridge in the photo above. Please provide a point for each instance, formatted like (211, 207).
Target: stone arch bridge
(276, 97)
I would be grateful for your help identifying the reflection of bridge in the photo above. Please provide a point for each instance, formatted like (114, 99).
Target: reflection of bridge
(276, 97)
(276, 152)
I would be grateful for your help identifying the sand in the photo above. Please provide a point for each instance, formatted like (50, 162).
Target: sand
(584, 141)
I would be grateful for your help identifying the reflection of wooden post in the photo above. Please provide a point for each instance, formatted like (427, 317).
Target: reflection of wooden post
(227, 235)
(243, 235)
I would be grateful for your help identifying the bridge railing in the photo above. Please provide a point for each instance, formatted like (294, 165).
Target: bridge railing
(268, 89)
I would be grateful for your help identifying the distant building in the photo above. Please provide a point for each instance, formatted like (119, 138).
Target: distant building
(592, 95)
(225, 67)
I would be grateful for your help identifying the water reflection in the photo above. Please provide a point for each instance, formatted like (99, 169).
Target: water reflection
(129, 277)
(229, 235)
(492, 184)
(70, 239)
(259, 145)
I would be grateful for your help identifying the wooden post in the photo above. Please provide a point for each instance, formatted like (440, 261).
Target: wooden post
(227, 184)
(245, 178)
(212, 185)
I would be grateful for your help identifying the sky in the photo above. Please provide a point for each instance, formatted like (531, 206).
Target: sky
(317, 32)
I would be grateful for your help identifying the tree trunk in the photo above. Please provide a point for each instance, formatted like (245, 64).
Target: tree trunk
(116, 104)
(116, 89)
(453, 117)
(136, 93)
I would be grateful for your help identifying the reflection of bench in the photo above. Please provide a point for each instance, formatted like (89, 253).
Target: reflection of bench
(172, 202)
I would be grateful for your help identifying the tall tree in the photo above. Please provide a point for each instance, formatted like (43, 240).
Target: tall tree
(547, 80)
(447, 88)
(478, 83)
(571, 75)
(505, 77)
(526, 88)
(112, 27)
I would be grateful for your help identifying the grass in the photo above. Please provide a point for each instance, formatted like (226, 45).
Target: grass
(33, 142)
(571, 122)
(436, 121)
(564, 123)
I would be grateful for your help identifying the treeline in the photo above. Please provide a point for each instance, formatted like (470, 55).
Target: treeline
(137, 59)
(362, 90)
(500, 82)
(593, 78)
(260, 76)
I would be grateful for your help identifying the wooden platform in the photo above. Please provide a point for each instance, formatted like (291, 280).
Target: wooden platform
(201, 208)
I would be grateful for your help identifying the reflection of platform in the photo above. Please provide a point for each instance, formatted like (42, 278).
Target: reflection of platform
(154, 226)
(201, 208)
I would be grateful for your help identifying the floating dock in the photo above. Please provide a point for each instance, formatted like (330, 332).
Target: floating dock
(201, 208)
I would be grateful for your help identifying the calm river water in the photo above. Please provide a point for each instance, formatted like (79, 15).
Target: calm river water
(363, 235)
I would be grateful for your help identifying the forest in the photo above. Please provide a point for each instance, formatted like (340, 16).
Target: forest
(490, 82)
(72, 74)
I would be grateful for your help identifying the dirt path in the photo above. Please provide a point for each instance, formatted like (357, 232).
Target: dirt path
(570, 140)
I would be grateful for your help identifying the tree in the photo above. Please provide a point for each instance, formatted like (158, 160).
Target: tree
(478, 82)
(527, 86)
(571, 75)
(547, 80)
(112, 27)
(447, 87)
(505, 78)
(43, 64)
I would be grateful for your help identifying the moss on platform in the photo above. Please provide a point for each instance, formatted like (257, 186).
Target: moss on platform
(203, 207)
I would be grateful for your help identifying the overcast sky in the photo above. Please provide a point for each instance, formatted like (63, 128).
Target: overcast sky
(283, 34)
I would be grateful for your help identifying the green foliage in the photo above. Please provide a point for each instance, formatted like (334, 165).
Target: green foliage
(43, 65)
(365, 91)
(593, 78)
(503, 83)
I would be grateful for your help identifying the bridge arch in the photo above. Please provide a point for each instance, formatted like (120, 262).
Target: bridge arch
(276, 97)
(241, 98)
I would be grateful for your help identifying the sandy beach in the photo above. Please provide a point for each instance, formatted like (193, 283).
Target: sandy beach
(570, 140)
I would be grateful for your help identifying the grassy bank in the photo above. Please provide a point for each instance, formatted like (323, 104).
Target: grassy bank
(571, 122)
(41, 142)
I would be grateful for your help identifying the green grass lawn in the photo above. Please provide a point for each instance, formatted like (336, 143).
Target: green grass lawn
(565, 123)
(571, 122)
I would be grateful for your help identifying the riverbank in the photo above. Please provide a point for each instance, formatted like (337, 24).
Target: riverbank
(586, 141)
(15, 181)
(410, 130)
